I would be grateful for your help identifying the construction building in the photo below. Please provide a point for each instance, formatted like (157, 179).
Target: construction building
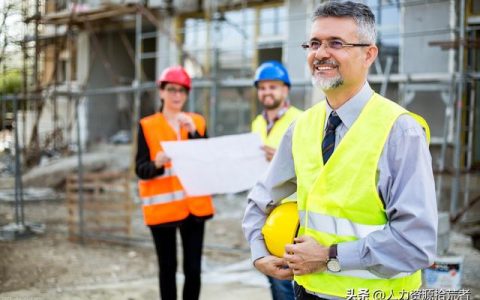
(90, 69)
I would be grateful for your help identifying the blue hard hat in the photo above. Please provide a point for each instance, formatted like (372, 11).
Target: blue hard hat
(272, 70)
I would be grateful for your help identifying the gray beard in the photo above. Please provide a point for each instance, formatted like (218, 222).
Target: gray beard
(327, 84)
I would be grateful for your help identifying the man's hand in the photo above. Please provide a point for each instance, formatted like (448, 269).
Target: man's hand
(186, 121)
(160, 159)
(274, 266)
(306, 256)
(269, 152)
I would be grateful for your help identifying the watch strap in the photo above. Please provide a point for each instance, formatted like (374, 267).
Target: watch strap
(332, 251)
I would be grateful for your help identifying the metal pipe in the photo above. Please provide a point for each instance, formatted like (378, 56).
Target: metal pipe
(388, 68)
(449, 111)
(215, 68)
(4, 73)
(19, 216)
(80, 174)
(136, 85)
(471, 128)
(54, 98)
(459, 107)
(4, 113)
(79, 138)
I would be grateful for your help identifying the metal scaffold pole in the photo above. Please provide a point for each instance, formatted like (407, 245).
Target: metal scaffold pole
(81, 216)
(459, 113)
(215, 74)
(136, 85)
(19, 213)
(18, 229)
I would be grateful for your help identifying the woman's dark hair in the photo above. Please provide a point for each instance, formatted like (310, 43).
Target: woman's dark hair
(162, 87)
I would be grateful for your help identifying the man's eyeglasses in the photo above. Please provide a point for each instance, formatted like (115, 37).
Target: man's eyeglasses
(172, 90)
(332, 44)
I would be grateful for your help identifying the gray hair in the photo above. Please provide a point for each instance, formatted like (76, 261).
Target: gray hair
(359, 12)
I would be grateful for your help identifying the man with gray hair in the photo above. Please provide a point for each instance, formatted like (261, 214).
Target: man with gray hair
(361, 167)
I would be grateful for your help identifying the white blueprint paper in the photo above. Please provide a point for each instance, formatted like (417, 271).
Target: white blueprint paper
(226, 164)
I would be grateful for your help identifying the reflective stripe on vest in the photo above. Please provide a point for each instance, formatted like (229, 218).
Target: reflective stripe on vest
(337, 226)
(163, 197)
(366, 274)
(338, 201)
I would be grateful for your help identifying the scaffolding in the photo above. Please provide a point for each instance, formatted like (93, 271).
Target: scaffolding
(44, 80)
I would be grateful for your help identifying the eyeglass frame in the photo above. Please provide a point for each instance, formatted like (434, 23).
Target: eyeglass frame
(172, 90)
(327, 43)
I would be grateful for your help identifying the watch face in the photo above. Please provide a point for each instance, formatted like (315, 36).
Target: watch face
(333, 265)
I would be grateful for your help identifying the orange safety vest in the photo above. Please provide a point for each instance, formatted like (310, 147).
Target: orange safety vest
(163, 197)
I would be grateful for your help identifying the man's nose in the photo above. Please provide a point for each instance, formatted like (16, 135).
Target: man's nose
(322, 51)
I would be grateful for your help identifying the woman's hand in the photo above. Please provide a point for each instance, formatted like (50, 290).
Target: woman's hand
(160, 159)
(186, 121)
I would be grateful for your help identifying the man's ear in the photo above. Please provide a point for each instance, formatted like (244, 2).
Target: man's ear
(371, 55)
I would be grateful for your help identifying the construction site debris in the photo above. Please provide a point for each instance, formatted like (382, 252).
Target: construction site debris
(54, 173)
(106, 208)
(30, 194)
(50, 267)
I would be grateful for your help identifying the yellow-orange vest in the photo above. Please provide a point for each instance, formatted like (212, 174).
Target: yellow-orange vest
(163, 197)
(338, 201)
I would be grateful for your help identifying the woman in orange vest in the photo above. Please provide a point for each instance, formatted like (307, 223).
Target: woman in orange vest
(166, 206)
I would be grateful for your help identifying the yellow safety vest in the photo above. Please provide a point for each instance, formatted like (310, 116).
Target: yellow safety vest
(274, 137)
(339, 202)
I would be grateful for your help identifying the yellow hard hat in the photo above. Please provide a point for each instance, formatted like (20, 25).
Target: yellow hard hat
(281, 228)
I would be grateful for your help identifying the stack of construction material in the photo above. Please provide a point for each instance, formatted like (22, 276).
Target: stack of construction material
(103, 209)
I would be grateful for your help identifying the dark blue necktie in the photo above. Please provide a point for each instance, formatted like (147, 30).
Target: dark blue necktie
(328, 143)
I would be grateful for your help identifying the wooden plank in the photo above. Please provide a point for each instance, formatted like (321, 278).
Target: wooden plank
(107, 203)
(104, 198)
(104, 176)
(105, 221)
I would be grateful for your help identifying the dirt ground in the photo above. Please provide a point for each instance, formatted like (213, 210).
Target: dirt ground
(49, 266)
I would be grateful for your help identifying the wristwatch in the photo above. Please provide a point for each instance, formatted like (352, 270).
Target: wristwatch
(333, 265)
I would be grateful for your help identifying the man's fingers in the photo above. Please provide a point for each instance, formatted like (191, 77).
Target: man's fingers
(289, 248)
(299, 239)
(298, 272)
(282, 273)
(292, 258)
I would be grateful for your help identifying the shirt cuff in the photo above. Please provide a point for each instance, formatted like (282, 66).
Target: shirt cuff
(258, 250)
(349, 255)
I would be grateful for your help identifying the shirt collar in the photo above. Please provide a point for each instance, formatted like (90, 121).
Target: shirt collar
(280, 112)
(351, 109)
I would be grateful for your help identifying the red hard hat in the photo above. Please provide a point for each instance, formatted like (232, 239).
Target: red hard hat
(176, 75)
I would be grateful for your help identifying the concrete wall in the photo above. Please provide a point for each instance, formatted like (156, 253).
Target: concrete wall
(419, 25)
(168, 52)
(102, 112)
(299, 15)
(294, 55)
